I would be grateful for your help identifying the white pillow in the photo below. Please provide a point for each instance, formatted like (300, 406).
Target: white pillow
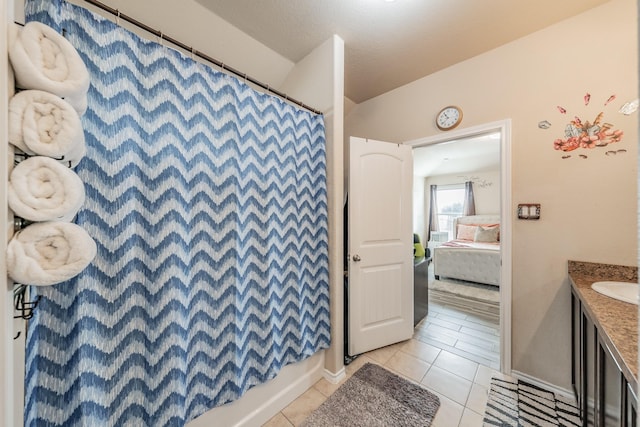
(486, 234)
(466, 232)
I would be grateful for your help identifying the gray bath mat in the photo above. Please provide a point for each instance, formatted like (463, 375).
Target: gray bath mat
(374, 396)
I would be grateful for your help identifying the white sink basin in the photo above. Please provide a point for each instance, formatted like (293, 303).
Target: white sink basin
(623, 291)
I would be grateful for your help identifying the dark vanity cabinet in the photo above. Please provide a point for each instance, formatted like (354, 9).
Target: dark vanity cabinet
(576, 353)
(583, 361)
(630, 405)
(611, 386)
(603, 394)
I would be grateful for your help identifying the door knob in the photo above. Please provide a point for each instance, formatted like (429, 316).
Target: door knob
(356, 258)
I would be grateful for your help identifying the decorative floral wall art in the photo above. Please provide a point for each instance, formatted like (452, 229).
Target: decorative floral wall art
(482, 183)
(585, 133)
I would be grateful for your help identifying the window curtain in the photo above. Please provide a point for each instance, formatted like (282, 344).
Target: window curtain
(469, 207)
(433, 211)
(207, 201)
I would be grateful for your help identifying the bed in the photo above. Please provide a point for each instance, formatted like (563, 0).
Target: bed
(474, 255)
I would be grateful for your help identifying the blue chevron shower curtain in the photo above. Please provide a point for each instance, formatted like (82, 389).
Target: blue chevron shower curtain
(208, 203)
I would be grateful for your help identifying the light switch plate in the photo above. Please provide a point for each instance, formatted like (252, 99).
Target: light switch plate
(529, 211)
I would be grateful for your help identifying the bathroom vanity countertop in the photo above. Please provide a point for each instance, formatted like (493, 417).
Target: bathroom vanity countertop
(617, 321)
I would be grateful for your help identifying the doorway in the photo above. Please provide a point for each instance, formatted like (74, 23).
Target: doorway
(503, 130)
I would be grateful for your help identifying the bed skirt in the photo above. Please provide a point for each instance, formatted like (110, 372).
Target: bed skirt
(473, 265)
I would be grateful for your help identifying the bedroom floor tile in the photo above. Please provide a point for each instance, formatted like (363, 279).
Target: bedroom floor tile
(482, 352)
(493, 320)
(449, 318)
(446, 335)
(464, 307)
(486, 335)
(477, 346)
(449, 311)
(434, 328)
(481, 327)
(437, 339)
(488, 345)
(435, 320)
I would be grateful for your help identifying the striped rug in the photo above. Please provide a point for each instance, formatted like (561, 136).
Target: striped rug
(518, 403)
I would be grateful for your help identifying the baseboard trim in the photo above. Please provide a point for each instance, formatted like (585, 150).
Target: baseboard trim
(558, 391)
(335, 378)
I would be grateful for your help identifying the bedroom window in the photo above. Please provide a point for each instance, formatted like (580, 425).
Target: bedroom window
(450, 202)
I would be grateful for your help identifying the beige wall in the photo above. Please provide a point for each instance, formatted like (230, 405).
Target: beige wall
(318, 79)
(191, 23)
(588, 205)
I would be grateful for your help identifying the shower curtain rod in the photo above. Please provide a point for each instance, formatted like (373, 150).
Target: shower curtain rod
(199, 54)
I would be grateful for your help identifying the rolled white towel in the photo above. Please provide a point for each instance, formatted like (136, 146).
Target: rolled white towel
(11, 81)
(45, 253)
(73, 157)
(41, 189)
(41, 123)
(43, 59)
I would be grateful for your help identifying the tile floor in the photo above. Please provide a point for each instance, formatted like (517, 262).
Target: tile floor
(439, 357)
(463, 327)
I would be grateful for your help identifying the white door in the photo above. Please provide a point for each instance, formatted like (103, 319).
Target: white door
(380, 244)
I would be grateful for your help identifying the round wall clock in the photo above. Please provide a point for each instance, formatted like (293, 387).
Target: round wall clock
(449, 117)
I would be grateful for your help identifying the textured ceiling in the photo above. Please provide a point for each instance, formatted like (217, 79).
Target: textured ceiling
(462, 156)
(389, 44)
